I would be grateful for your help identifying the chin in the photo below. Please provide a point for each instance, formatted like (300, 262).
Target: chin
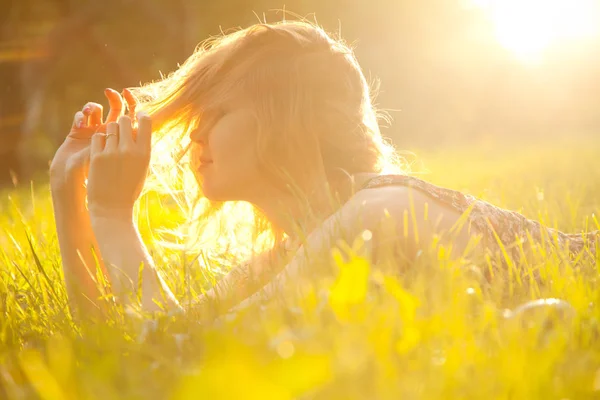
(214, 192)
(216, 198)
(207, 187)
(209, 191)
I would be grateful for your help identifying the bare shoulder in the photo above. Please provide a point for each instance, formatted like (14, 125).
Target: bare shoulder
(401, 211)
(396, 201)
(393, 196)
(369, 205)
(365, 210)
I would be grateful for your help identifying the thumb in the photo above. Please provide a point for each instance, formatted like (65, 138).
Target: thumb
(80, 160)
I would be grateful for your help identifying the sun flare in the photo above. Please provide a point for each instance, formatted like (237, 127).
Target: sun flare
(529, 27)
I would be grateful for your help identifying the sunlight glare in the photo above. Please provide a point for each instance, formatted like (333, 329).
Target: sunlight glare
(529, 27)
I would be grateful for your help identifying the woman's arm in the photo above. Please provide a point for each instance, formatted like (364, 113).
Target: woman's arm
(79, 248)
(125, 255)
(119, 162)
(241, 282)
(76, 239)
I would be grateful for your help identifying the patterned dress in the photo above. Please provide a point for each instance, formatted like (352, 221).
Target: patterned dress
(503, 232)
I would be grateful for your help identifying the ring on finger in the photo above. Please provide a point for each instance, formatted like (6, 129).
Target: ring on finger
(107, 135)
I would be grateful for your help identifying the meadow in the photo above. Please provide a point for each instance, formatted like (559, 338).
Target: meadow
(434, 332)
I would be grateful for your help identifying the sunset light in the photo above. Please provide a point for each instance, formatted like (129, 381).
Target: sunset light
(300, 199)
(529, 27)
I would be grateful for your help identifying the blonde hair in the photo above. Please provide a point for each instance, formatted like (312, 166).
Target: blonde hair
(313, 105)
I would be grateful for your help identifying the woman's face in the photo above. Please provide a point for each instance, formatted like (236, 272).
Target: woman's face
(223, 155)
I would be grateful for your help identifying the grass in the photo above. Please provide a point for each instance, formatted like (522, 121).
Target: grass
(432, 332)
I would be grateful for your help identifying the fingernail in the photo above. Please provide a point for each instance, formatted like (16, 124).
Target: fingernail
(141, 114)
(86, 110)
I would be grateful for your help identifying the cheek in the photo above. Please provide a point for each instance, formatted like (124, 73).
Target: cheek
(229, 147)
(233, 148)
(237, 161)
(234, 174)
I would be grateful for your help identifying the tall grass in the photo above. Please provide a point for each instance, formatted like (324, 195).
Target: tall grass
(435, 331)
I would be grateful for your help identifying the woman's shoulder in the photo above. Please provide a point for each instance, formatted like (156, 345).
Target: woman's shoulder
(450, 197)
(404, 180)
(389, 196)
(386, 180)
(415, 209)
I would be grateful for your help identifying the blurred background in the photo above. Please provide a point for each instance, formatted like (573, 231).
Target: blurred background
(451, 72)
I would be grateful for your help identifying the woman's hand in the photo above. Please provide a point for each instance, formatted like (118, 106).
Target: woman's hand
(119, 163)
(68, 169)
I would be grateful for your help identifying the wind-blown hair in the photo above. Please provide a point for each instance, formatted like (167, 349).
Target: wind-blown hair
(313, 106)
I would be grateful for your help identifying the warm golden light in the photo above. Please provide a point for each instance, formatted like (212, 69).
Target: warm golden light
(529, 27)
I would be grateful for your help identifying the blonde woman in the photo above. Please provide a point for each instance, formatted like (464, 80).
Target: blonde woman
(279, 116)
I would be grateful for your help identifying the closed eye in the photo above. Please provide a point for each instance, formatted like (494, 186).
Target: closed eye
(207, 122)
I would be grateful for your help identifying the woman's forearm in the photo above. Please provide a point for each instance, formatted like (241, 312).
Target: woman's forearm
(240, 283)
(124, 256)
(76, 241)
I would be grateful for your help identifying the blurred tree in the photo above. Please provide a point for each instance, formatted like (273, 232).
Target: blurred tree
(13, 52)
(60, 54)
(444, 77)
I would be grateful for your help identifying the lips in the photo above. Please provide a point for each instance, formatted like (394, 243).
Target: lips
(204, 163)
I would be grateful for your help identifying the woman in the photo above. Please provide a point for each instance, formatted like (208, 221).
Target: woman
(279, 116)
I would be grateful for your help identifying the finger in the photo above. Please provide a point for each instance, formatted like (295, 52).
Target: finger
(131, 103)
(79, 120)
(97, 145)
(94, 112)
(126, 140)
(113, 132)
(82, 158)
(144, 134)
(116, 104)
(80, 129)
